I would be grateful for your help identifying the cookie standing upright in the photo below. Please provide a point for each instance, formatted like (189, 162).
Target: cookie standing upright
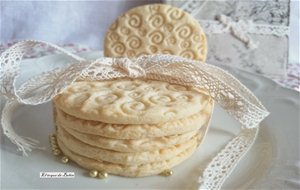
(156, 29)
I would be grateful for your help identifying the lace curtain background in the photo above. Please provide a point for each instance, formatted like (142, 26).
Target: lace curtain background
(265, 24)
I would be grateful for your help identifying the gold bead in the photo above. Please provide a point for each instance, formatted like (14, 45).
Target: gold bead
(52, 139)
(54, 144)
(93, 173)
(64, 159)
(53, 136)
(166, 173)
(56, 152)
(102, 174)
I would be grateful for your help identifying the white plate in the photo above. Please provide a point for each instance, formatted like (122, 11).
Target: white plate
(273, 161)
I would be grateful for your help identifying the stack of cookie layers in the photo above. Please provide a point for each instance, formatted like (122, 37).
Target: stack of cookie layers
(130, 127)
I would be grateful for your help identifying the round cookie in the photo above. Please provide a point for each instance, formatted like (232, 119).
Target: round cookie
(127, 170)
(130, 145)
(135, 131)
(130, 101)
(156, 29)
(125, 158)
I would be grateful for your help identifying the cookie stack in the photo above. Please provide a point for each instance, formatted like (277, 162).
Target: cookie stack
(130, 127)
(137, 127)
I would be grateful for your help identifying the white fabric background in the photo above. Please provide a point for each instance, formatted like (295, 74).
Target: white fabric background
(85, 22)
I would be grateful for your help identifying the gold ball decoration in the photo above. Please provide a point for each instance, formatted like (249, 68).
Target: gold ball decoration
(56, 152)
(54, 145)
(102, 174)
(64, 159)
(93, 173)
(166, 173)
(52, 138)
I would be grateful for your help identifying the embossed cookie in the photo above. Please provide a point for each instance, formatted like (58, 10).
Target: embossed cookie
(135, 131)
(125, 158)
(130, 101)
(130, 145)
(156, 29)
(127, 170)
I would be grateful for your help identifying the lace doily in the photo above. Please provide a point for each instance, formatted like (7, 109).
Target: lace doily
(227, 91)
(241, 18)
(248, 31)
(242, 29)
(266, 17)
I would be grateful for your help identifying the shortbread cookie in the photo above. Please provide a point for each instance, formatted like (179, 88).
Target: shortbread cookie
(156, 29)
(119, 131)
(127, 170)
(131, 145)
(130, 101)
(125, 158)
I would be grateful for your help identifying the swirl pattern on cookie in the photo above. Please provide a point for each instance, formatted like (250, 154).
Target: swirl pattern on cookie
(157, 29)
(135, 131)
(130, 101)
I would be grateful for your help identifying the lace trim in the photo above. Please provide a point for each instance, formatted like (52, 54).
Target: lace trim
(241, 29)
(192, 6)
(273, 12)
(215, 27)
(226, 160)
(234, 97)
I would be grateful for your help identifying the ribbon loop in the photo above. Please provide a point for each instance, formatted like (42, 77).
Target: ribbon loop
(10, 61)
(131, 68)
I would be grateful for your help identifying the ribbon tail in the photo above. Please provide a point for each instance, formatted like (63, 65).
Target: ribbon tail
(24, 144)
(221, 166)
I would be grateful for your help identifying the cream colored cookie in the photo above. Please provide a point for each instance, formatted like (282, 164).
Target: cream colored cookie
(127, 170)
(119, 131)
(125, 158)
(131, 145)
(156, 29)
(130, 101)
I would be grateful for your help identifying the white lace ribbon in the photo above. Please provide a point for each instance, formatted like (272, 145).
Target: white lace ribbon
(226, 90)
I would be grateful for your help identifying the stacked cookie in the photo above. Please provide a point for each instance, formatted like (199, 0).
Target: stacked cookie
(130, 127)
